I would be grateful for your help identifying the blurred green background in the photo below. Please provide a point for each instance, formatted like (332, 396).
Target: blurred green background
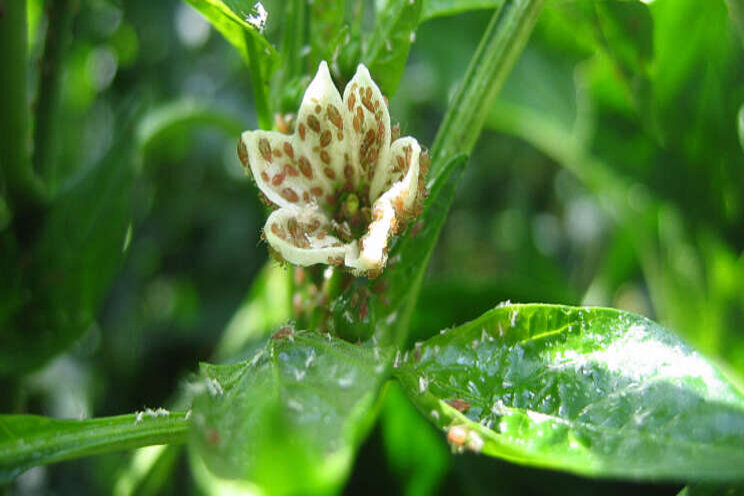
(610, 172)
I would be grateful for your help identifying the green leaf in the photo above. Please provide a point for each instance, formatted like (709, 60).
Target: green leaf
(28, 440)
(593, 391)
(291, 418)
(77, 252)
(229, 17)
(159, 123)
(441, 8)
(386, 52)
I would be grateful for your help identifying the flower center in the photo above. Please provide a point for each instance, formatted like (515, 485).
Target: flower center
(351, 215)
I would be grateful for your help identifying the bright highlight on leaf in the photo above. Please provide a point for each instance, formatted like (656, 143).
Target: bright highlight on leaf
(343, 183)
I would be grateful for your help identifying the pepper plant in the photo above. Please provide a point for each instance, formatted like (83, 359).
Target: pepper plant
(328, 340)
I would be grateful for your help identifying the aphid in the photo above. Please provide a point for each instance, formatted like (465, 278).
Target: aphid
(461, 406)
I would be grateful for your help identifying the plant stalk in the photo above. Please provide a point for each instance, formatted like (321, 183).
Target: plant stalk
(23, 189)
(59, 14)
(265, 120)
(503, 41)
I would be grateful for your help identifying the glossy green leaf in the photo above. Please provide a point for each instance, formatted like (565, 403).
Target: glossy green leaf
(440, 8)
(78, 250)
(158, 123)
(291, 418)
(593, 391)
(28, 440)
(231, 19)
(386, 51)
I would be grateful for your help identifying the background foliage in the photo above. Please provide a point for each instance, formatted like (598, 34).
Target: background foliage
(609, 173)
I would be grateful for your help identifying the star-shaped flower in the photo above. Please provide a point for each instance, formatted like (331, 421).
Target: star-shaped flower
(343, 185)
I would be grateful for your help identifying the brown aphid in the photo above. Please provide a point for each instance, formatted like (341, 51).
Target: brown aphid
(213, 437)
(325, 157)
(335, 117)
(290, 170)
(278, 231)
(325, 138)
(290, 195)
(264, 176)
(243, 153)
(395, 132)
(461, 406)
(316, 191)
(330, 173)
(313, 123)
(301, 130)
(278, 179)
(282, 333)
(352, 102)
(288, 149)
(368, 104)
(264, 147)
(305, 168)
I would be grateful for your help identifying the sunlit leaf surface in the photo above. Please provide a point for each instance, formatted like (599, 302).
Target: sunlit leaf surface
(593, 391)
(291, 418)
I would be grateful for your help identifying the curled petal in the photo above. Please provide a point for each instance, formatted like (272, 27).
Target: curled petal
(301, 236)
(393, 207)
(368, 122)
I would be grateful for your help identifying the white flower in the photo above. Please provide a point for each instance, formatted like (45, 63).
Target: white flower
(341, 186)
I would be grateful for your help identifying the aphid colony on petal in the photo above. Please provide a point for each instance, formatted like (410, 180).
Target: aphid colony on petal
(343, 184)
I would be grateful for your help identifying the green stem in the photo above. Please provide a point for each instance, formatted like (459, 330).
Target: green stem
(60, 15)
(503, 41)
(505, 36)
(23, 189)
(293, 37)
(27, 440)
(262, 103)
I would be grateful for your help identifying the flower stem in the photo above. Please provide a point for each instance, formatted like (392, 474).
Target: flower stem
(505, 36)
(60, 15)
(259, 92)
(23, 188)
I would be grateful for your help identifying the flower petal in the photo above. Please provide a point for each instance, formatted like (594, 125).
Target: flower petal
(321, 131)
(306, 167)
(280, 169)
(390, 209)
(368, 124)
(301, 236)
